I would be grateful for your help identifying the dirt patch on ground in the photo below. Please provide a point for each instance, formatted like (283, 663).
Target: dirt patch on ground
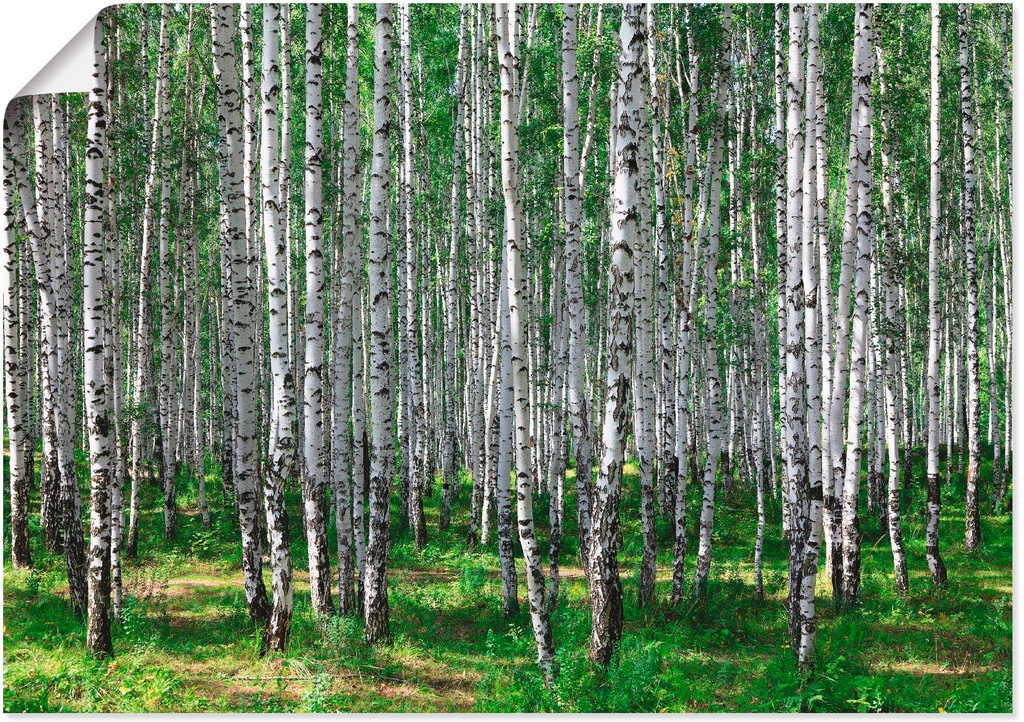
(187, 587)
(423, 575)
(934, 668)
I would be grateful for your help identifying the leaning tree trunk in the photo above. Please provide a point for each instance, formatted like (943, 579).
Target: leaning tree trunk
(449, 459)
(41, 220)
(712, 375)
(579, 409)
(37, 224)
(794, 426)
(517, 292)
(241, 309)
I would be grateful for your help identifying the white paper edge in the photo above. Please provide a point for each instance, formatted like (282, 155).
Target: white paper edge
(35, 54)
(70, 70)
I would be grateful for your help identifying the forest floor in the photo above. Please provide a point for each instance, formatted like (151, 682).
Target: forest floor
(186, 642)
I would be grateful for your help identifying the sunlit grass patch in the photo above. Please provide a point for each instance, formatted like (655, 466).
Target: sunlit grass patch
(186, 643)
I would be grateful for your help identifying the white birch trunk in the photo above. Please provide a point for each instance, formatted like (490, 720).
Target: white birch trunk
(684, 321)
(794, 421)
(166, 389)
(812, 507)
(416, 450)
(863, 61)
(890, 301)
(242, 309)
(841, 358)
(16, 370)
(572, 173)
(516, 281)
(382, 464)
(281, 450)
(630, 95)
(709, 241)
(313, 471)
(342, 328)
(449, 459)
(96, 389)
(967, 118)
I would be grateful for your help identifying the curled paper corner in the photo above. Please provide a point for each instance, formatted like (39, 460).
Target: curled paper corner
(70, 70)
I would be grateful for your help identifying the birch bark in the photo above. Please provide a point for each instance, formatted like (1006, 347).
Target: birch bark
(16, 369)
(382, 463)
(711, 237)
(863, 60)
(242, 308)
(281, 450)
(96, 388)
(630, 94)
(973, 533)
(517, 290)
(313, 471)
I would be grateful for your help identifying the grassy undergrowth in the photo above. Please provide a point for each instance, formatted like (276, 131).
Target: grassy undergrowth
(186, 642)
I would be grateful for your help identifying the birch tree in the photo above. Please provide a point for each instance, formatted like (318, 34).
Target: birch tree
(41, 221)
(347, 486)
(417, 432)
(795, 436)
(579, 411)
(313, 472)
(97, 390)
(888, 325)
(684, 321)
(143, 383)
(936, 566)
(863, 61)
(517, 290)
(449, 460)
(241, 308)
(709, 242)
(282, 442)
(16, 371)
(166, 389)
(382, 459)
(645, 379)
(812, 507)
(630, 92)
(973, 534)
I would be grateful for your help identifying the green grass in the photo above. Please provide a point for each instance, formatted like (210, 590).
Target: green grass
(186, 642)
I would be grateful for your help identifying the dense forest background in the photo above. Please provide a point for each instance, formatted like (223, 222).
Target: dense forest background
(513, 357)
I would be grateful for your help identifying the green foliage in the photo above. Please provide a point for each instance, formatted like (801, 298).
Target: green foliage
(185, 641)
